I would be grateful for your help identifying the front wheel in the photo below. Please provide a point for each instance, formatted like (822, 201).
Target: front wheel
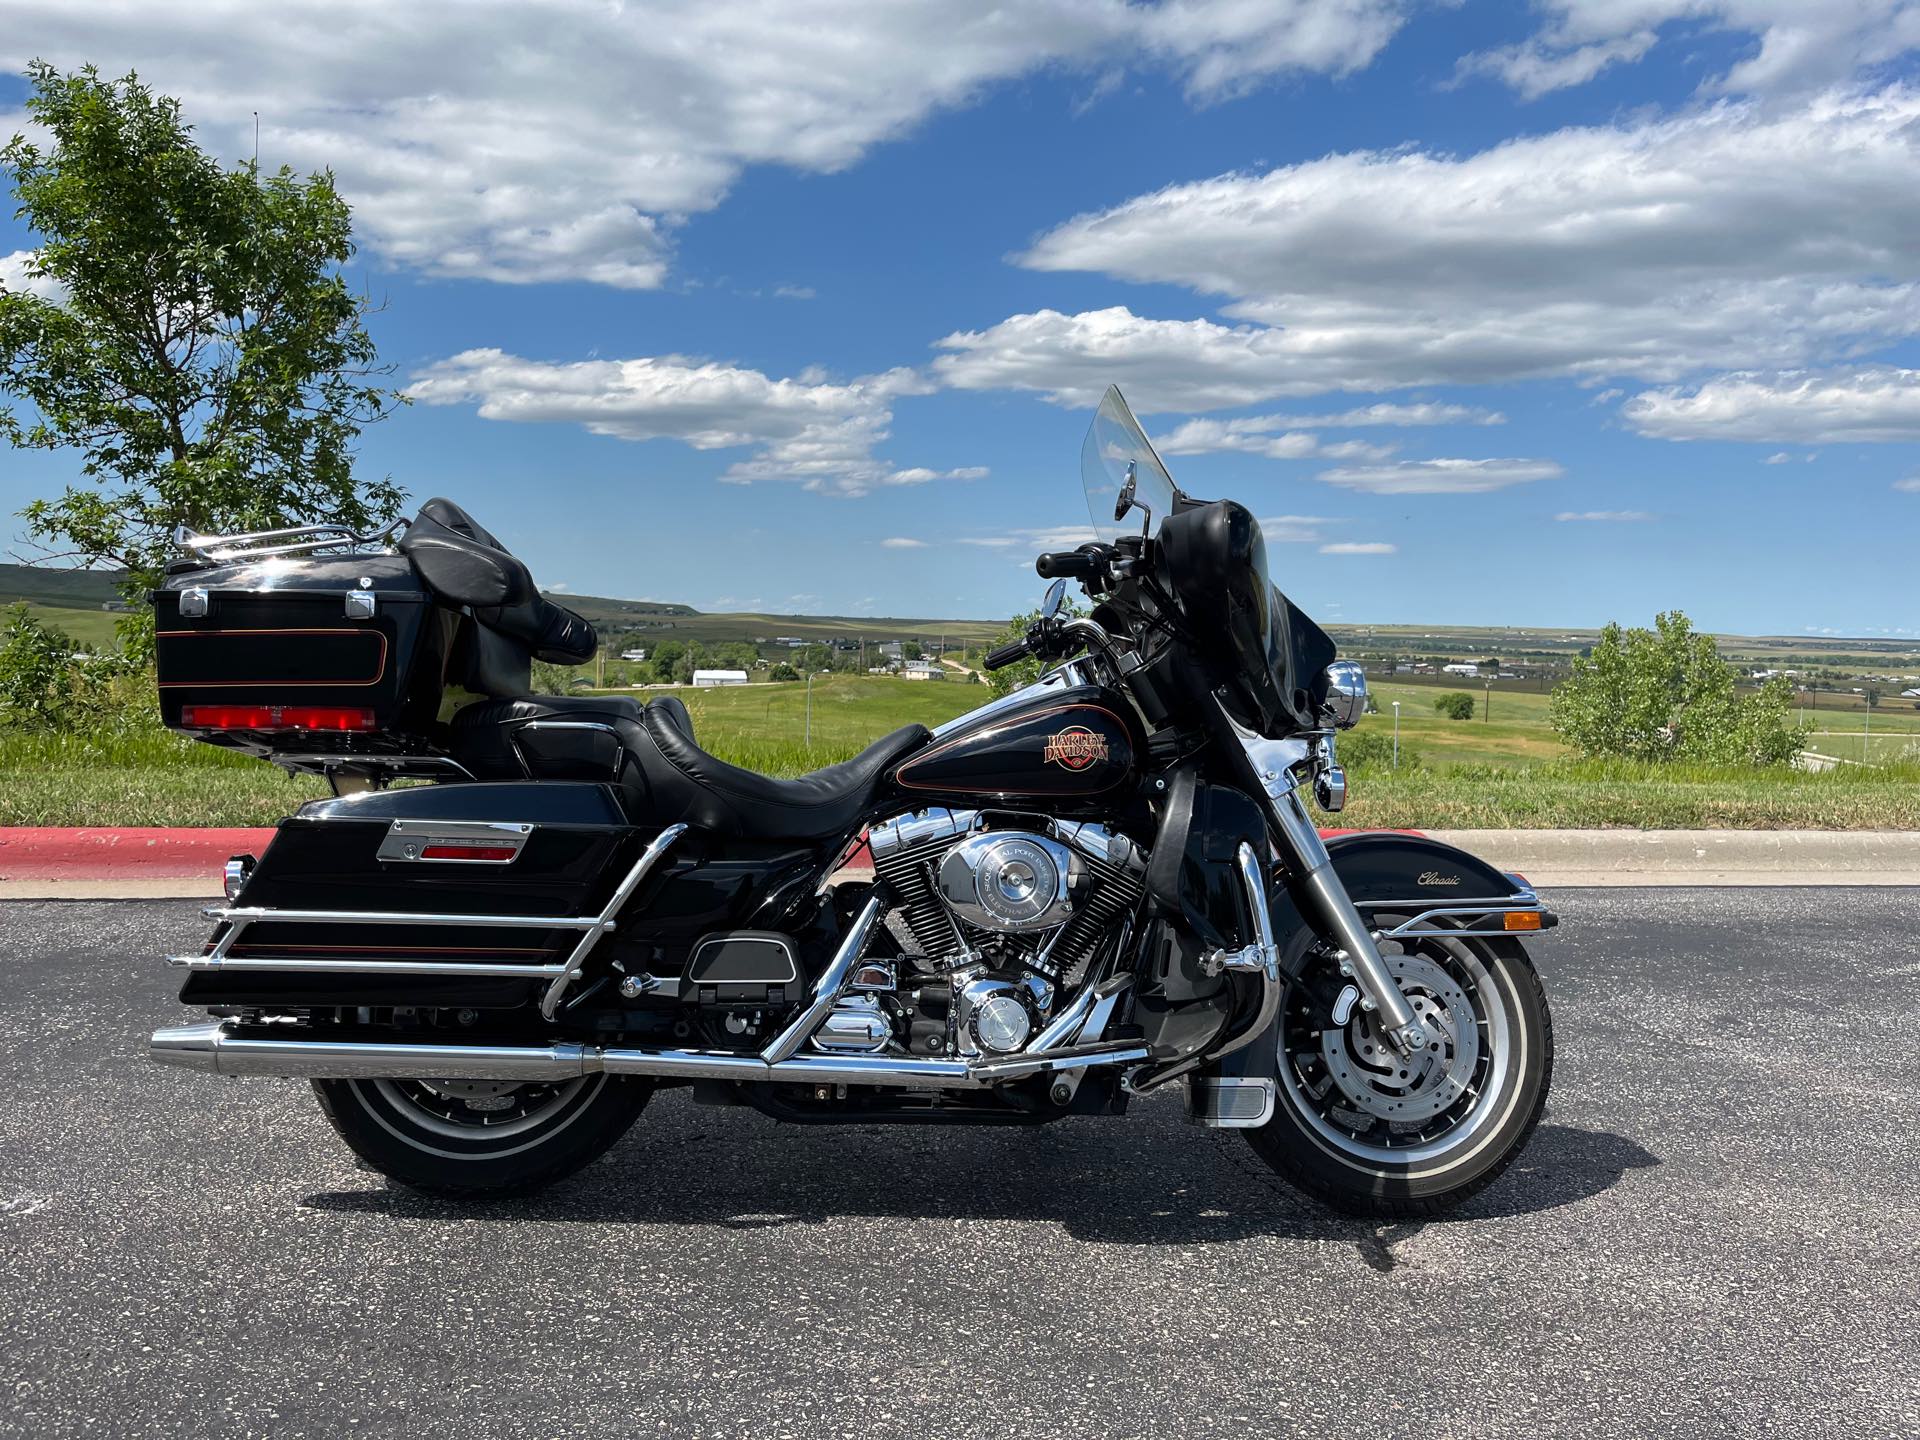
(481, 1138)
(1376, 1133)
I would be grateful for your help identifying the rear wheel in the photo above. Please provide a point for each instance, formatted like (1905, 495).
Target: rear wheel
(479, 1138)
(1373, 1132)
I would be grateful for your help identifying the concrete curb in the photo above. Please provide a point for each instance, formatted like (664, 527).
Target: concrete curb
(161, 863)
(1698, 857)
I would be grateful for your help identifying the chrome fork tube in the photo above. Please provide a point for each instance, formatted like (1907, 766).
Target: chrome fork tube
(1307, 857)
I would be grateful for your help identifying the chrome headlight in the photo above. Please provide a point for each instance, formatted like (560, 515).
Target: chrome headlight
(1346, 694)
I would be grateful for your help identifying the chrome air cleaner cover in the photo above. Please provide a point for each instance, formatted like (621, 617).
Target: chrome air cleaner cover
(1009, 881)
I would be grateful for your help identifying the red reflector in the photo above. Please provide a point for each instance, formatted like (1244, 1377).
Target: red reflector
(468, 852)
(276, 717)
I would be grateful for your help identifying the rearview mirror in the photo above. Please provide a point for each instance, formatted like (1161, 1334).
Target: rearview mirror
(1056, 597)
(1125, 501)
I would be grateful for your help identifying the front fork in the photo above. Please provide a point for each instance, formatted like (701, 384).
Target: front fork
(1326, 899)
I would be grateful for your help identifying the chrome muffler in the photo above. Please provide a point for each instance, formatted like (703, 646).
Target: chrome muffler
(214, 1048)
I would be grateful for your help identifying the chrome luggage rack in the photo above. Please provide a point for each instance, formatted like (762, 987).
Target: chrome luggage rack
(293, 540)
(238, 918)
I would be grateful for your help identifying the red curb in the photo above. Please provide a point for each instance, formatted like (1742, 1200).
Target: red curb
(153, 852)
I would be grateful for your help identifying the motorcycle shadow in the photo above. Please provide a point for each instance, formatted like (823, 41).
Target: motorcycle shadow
(1164, 1185)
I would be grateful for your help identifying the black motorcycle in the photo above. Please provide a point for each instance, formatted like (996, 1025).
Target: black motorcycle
(1083, 892)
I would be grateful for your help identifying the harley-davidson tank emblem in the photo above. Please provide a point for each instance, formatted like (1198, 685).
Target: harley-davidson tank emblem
(1074, 748)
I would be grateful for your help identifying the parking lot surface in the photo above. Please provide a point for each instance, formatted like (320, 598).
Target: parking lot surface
(1715, 1232)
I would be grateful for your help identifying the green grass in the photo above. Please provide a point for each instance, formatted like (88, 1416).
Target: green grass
(141, 777)
(1590, 794)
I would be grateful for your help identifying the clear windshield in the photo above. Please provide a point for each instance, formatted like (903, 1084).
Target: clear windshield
(1116, 448)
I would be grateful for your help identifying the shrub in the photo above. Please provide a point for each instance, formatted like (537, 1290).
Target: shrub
(783, 671)
(1455, 705)
(48, 683)
(1368, 747)
(1666, 695)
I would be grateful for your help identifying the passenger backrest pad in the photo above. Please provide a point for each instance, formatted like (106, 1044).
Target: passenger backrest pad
(461, 562)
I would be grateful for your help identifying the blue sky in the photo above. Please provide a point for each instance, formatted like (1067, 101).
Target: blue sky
(1498, 314)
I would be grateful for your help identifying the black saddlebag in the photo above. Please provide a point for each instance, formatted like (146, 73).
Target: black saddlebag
(486, 857)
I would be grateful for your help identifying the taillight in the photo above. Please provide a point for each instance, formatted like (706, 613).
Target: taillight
(276, 717)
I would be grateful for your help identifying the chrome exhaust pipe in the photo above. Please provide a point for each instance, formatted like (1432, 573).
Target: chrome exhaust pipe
(213, 1048)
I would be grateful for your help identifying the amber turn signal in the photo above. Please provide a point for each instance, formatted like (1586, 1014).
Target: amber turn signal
(1523, 919)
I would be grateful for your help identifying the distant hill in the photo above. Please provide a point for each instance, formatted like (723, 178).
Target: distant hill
(56, 589)
(63, 589)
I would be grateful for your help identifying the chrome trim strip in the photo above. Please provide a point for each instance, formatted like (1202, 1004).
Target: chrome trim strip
(407, 841)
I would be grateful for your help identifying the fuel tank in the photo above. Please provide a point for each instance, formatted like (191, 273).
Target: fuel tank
(1068, 748)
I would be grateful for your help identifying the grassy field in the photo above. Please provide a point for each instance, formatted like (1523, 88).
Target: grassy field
(1507, 772)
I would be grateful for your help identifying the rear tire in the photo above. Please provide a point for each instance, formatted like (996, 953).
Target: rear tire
(1340, 1129)
(477, 1139)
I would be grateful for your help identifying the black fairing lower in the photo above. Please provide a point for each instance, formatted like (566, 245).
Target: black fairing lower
(1194, 878)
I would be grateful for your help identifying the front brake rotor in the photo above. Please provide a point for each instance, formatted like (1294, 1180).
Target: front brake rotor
(1376, 1079)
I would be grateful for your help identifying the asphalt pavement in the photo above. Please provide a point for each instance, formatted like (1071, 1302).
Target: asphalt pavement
(1715, 1232)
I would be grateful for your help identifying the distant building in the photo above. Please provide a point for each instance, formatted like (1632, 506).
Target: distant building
(890, 649)
(708, 679)
(633, 654)
(1461, 669)
(919, 669)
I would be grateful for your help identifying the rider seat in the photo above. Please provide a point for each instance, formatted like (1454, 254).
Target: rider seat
(663, 776)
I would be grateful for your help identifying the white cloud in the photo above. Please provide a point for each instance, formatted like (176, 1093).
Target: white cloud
(809, 430)
(1201, 437)
(1360, 547)
(794, 292)
(1871, 403)
(1911, 484)
(1802, 44)
(1603, 516)
(566, 142)
(1292, 529)
(1057, 537)
(902, 542)
(1779, 457)
(15, 277)
(1441, 477)
(1737, 236)
(1535, 67)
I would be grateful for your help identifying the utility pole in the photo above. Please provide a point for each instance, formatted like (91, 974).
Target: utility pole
(809, 707)
(1487, 716)
(1396, 735)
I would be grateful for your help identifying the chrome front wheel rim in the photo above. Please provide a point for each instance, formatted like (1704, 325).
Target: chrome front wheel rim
(1370, 1106)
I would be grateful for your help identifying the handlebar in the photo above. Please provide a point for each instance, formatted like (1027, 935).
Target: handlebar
(1068, 565)
(1007, 654)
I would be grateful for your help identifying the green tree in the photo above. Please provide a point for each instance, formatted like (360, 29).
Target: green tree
(1021, 672)
(1455, 705)
(200, 350)
(1665, 694)
(783, 671)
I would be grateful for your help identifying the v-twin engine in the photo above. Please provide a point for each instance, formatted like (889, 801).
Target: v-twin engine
(995, 927)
